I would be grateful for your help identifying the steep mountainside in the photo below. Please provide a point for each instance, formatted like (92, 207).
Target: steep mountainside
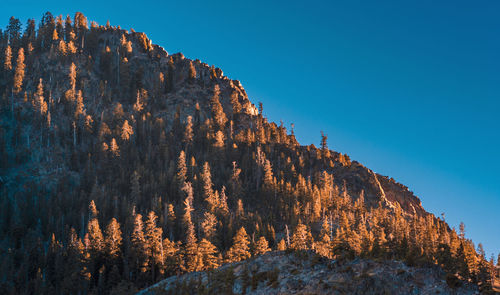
(119, 68)
(122, 164)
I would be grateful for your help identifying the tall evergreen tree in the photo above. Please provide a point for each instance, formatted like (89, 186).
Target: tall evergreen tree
(7, 64)
(139, 251)
(240, 249)
(96, 239)
(208, 192)
(261, 247)
(19, 72)
(218, 114)
(181, 170)
(153, 237)
(113, 240)
(208, 253)
(301, 238)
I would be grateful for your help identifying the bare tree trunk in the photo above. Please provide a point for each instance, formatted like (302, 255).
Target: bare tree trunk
(287, 235)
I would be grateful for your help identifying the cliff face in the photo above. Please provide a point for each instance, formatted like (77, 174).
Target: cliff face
(305, 273)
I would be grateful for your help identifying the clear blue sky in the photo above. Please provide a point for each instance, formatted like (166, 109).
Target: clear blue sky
(411, 89)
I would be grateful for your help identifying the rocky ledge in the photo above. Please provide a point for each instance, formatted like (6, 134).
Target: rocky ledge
(307, 273)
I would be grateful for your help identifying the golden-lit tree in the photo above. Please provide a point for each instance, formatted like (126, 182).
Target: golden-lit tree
(96, 239)
(127, 131)
(7, 64)
(40, 104)
(261, 246)
(240, 249)
(281, 245)
(208, 253)
(114, 148)
(113, 240)
(301, 238)
(217, 111)
(19, 72)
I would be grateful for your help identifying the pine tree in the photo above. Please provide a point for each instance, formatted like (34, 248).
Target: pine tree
(71, 47)
(127, 131)
(462, 231)
(217, 111)
(7, 65)
(96, 238)
(19, 73)
(139, 251)
(68, 31)
(93, 210)
(30, 32)
(208, 225)
(113, 147)
(192, 71)
(301, 238)
(208, 193)
(240, 249)
(268, 175)
(181, 170)
(324, 146)
(113, 240)
(316, 203)
(55, 36)
(240, 212)
(80, 21)
(188, 203)
(219, 139)
(138, 106)
(235, 185)
(13, 29)
(188, 131)
(208, 253)
(281, 245)
(40, 104)
(190, 243)
(153, 236)
(80, 107)
(261, 247)
(324, 246)
(235, 103)
(76, 272)
(223, 207)
(191, 254)
(173, 260)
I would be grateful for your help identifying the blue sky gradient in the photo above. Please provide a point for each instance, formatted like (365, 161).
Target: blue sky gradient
(411, 89)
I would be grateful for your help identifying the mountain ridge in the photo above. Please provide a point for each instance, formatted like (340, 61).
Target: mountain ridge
(101, 126)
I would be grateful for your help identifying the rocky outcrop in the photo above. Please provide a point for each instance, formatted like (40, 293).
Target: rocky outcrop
(306, 273)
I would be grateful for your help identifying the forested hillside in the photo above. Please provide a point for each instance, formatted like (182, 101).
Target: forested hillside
(121, 165)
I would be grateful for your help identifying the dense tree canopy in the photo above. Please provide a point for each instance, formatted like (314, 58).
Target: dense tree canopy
(122, 164)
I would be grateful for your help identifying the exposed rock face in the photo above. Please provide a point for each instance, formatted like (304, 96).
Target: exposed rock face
(378, 188)
(396, 192)
(306, 273)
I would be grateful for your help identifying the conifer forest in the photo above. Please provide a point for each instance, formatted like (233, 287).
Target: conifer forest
(122, 164)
